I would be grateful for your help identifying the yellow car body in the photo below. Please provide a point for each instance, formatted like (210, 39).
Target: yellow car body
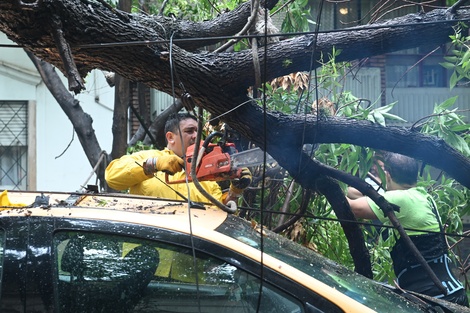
(199, 264)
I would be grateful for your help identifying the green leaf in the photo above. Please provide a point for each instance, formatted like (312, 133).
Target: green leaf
(452, 59)
(445, 105)
(448, 65)
(379, 118)
(393, 117)
(457, 142)
(385, 108)
(465, 57)
(459, 128)
(453, 80)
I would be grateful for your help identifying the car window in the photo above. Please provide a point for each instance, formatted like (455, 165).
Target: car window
(363, 290)
(105, 273)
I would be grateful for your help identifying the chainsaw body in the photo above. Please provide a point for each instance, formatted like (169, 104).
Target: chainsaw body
(215, 163)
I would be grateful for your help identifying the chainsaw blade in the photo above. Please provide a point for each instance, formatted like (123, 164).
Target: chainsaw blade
(248, 158)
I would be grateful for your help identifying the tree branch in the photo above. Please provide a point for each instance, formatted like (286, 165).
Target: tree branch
(453, 9)
(76, 83)
(218, 81)
(333, 193)
(81, 121)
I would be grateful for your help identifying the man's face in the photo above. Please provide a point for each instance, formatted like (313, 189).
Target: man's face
(179, 144)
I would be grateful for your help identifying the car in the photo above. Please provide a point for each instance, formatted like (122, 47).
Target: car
(91, 252)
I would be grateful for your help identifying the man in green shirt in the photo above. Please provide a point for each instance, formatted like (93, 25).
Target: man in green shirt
(420, 218)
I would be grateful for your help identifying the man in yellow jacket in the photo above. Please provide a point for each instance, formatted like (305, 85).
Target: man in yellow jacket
(137, 171)
(143, 173)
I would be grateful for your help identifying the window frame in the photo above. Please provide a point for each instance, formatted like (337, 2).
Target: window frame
(30, 144)
(417, 66)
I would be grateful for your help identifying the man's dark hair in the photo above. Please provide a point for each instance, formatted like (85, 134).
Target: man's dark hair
(173, 122)
(402, 169)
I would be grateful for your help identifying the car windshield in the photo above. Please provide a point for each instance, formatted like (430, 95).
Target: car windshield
(356, 286)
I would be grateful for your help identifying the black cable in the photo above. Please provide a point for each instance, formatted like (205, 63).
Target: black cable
(191, 236)
(265, 143)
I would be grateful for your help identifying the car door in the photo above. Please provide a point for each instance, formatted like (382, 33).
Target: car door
(102, 266)
(25, 258)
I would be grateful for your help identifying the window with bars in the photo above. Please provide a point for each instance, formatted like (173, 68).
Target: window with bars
(13, 145)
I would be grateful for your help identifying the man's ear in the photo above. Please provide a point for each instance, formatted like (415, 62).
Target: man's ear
(170, 137)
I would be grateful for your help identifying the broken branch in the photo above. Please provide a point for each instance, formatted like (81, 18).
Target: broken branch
(76, 83)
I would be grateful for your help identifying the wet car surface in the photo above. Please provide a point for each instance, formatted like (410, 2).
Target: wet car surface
(64, 252)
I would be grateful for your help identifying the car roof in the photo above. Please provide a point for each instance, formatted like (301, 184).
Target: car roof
(148, 211)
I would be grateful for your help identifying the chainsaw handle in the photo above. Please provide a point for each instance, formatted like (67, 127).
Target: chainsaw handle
(200, 154)
(210, 137)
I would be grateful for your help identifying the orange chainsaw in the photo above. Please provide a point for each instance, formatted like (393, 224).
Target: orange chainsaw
(220, 161)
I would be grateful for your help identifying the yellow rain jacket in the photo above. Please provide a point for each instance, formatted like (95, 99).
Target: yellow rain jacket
(126, 173)
(5, 202)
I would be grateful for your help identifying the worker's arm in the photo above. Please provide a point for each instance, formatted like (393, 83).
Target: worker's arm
(353, 193)
(361, 208)
(127, 171)
(230, 197)
(233, 194)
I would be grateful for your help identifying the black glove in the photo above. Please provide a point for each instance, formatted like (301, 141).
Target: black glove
(239, 184)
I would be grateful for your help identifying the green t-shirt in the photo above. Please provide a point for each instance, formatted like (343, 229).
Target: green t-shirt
(416, 210)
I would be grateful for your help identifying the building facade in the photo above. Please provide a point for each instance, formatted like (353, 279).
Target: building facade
(413, 79)
(38, 147)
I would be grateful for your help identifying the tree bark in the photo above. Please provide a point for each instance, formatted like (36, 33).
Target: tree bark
(122, 102)
(218, 81)
(333, 193)
(122, 95)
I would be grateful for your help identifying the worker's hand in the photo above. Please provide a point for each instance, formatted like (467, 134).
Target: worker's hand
(237, 185)
(166, 163)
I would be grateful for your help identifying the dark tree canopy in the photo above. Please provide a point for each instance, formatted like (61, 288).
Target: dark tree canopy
(85, 33)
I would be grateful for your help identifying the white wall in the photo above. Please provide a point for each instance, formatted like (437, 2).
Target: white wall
(54, 132)
(416, 103)
(412, 103)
